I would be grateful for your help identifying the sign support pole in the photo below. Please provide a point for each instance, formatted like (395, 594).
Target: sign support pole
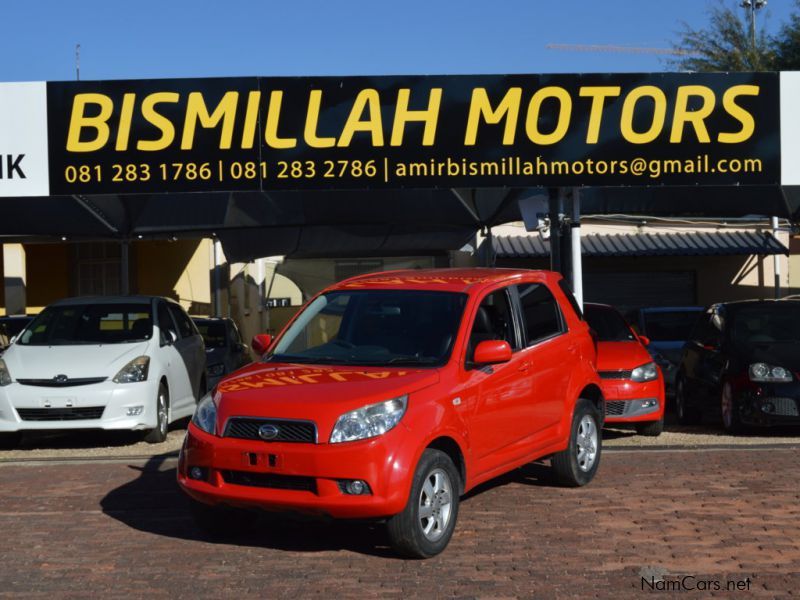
(577, 257)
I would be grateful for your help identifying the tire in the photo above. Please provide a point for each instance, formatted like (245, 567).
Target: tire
(686, 414)
(159, 434)
(220, 521)
(730, 414)
(435, 493)
(577, 465)
(650, 428)
(10, 441)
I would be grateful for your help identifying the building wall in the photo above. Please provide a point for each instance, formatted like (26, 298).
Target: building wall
(48, 274)
(794, 266)
(178, 269)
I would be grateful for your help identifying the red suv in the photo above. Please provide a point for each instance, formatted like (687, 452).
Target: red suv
(390, 395)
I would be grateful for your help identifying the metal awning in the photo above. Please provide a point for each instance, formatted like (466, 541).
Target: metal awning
(717, 243)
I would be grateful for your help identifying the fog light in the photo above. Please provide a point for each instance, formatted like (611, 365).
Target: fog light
(134, 411)
(768, 407)
(649, 403)
(355, 487)
(198, 473)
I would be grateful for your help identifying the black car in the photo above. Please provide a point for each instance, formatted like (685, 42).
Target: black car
(225, 351)
(10, 327)
(742, 362)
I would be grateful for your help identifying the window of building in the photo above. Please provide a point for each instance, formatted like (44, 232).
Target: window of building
(98, 269)
(344, 269)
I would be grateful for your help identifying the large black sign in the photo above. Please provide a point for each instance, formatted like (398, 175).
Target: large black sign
(394, 132)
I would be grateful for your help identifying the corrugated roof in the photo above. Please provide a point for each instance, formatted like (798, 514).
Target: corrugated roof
(716, 243)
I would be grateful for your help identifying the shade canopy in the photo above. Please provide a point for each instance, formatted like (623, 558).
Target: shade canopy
(353, 223)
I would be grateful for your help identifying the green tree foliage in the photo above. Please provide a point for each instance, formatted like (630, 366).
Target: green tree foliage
(787, 43)
(725, 44)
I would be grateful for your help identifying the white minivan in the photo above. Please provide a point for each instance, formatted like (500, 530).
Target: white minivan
(126, 362)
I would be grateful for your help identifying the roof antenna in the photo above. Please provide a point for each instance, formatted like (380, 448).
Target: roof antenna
(78, 62)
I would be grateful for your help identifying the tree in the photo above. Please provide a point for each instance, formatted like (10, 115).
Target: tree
(787, 43)
(726, 44)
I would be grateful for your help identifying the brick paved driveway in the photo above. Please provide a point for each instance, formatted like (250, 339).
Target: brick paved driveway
(121, 529)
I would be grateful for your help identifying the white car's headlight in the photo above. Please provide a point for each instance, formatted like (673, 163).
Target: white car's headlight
(764, 373)
(134, 371)
(369, 421)
(205, 415)
(648, 372)
(5, 376)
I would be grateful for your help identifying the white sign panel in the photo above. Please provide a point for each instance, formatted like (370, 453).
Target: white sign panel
(790, 128)
(23, 139)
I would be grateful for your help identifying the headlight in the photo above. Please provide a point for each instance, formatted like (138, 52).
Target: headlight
(760, 372)
(216, 370)
(369, 421)
(134, 371)
(647, 372)
(205, 415)
(5, 376)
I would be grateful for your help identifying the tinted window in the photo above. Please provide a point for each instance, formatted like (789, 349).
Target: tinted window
(567, 289)
(540, 312)
(670, 325)
(708, 331)
(608, 324)
(767, 324)
(213, 333)
(165, 322)
(185, 325)
(493, 321)
(90, 324)
(378, 327)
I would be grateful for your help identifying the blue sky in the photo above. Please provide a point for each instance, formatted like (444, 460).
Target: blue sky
(179, 38)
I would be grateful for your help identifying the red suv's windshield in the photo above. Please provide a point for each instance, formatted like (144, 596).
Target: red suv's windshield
(374, 327)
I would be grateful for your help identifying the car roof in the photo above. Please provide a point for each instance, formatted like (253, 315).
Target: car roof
(108, 300)
(211, 319)
(446, 280)
(736, 304)
(660, 309)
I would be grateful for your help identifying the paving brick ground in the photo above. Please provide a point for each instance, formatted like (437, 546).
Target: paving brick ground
(120, 529)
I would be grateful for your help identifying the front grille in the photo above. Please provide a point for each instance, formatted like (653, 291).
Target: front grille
(614, 374)
(246, 428)
(61, 414)
(615, 408)
(271, 480)
(784, 407)
(65, 383)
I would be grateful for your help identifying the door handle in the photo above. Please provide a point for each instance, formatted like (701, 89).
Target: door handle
(524, 366)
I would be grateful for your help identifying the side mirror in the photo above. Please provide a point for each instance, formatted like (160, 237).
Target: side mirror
(490, 352)
(644, 339)
(169, 337)
(261, 342)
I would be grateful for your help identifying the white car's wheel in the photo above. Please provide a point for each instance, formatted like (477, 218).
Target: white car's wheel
(159, 433)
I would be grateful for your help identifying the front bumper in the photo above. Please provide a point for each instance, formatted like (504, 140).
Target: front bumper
(769, 404)
(631, 402)
(111, 401)
(230, 466)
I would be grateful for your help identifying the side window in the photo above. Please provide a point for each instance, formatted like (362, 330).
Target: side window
(236, 338)
(493, 321)
(567, 289)
(541, 315)
(185, 325)
(708, 331)
(165, 322)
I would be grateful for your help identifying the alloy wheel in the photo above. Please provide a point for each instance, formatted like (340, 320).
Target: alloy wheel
(586, 443)
(435, 508)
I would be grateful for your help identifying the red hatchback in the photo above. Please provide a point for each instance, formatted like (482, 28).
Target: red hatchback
(633, 384)
(390, 395)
